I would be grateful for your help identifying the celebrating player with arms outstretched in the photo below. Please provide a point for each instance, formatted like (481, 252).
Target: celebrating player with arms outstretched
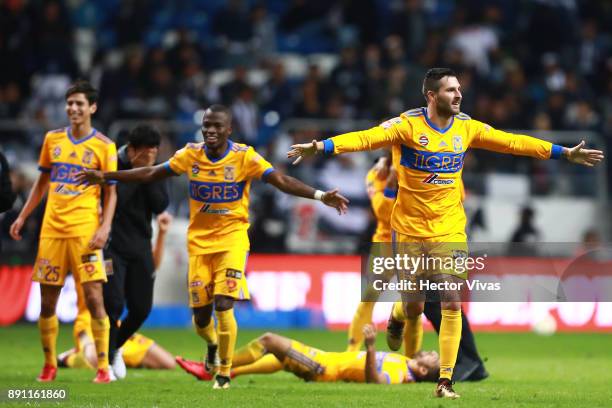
(429, 146)
(220, 173)
(72, 234)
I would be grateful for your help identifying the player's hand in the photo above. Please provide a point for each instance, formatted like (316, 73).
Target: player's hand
(369, 335)
(16, 227)
(87, 176)
(381, 167)
(334, 199)
(144, 157)
(587, 157)
(98, 241)
(163, 221)
(302, 150)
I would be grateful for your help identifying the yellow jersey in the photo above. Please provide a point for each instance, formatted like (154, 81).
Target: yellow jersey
(349, 366)
(219, 195)
(381, 200)
(72, 210)
(429, 162)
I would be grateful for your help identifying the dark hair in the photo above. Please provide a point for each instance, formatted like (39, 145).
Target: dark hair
(218, 108)
(84, 87)
(433, 372)
(433, 77)
(144, 135)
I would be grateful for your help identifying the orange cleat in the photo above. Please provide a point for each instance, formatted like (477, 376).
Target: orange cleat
(103, 376)
(194, 368)
(48, 374)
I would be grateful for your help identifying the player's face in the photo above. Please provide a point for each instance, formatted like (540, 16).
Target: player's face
(448, 97)
(216, 128)
(429, 358)
(78, 109)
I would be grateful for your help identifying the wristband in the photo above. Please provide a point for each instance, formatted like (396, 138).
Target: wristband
(318, 195)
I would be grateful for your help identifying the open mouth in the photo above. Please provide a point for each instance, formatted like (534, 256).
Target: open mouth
(211, 139)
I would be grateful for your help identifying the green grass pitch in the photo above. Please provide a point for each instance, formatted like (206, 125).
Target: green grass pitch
(565, 370)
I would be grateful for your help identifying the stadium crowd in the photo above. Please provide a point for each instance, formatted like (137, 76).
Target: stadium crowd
(532, 64)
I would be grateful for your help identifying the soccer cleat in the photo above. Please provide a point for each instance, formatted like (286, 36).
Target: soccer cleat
(445, 389)
(47, 374)
(395, 333)
(118, 365)
(221, 382)
(195, 368)
(104, 376)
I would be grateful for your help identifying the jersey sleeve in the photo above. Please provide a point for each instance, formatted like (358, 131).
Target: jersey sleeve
(386, 134)
(488, 138)
(44, 161)
(179, 163)
(110, 160)
(256, 166)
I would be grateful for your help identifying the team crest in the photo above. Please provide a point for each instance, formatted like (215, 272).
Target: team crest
(457, 144)
(423, 139)
(229, 173)
(57, 152)
(87, 156)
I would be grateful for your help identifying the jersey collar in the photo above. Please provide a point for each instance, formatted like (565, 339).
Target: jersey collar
(79, 141)
(434, 126)
(214, 160)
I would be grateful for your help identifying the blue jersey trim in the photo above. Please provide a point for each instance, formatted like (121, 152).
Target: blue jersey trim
(328, 147)
(169, 169)
(556, 151)
(264, 176)
(111, 182)
(433, 125)
(216, 159)
(44, 169)
(79, 141)
(390, 193)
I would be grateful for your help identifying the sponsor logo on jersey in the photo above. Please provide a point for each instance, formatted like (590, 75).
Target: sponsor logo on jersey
(64, 172)
(393, 121)
(431, 162)
(215, 193)
(423, 139)
(212, 172)
(73, 155)
(457, 144)
(442, 144)
(231, 284)
(207, 208)
(229, 173)
(196, 284)
(57, 152)
(62, 189)
(434, 179)
(195, 169)
(88, 258)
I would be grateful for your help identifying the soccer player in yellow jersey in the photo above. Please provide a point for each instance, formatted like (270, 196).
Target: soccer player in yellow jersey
(381, 184)
(72, 233)
(271, 353)
(428, 146)
(220, 174)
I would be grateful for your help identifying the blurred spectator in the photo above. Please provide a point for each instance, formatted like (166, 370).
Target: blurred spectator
(246, 118)
(526, 232)
(277, 93)
(7, 196)
(264, 31)
(230, 90)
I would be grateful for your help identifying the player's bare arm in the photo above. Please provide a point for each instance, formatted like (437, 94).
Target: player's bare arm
(36, 195)
(371, 374)
(138, 175)
(301, 150)
(98, 241)
(293, 186)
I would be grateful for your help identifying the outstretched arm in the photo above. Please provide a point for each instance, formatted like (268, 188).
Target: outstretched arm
(371, 374)
(138, 175)
(293, 186)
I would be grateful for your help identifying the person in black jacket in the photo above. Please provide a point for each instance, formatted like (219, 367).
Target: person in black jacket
(132, 277)
(7, 196)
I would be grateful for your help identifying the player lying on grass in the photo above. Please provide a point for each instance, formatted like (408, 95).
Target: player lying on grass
(138, 352)
(271, 353)
(220, 174)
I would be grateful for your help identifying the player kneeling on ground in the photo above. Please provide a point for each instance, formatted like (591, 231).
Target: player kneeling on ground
(271, 353)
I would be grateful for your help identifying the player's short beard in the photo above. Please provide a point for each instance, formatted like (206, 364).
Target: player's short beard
(444, 109)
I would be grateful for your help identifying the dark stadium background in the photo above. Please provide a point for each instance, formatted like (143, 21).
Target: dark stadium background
(296, 70)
